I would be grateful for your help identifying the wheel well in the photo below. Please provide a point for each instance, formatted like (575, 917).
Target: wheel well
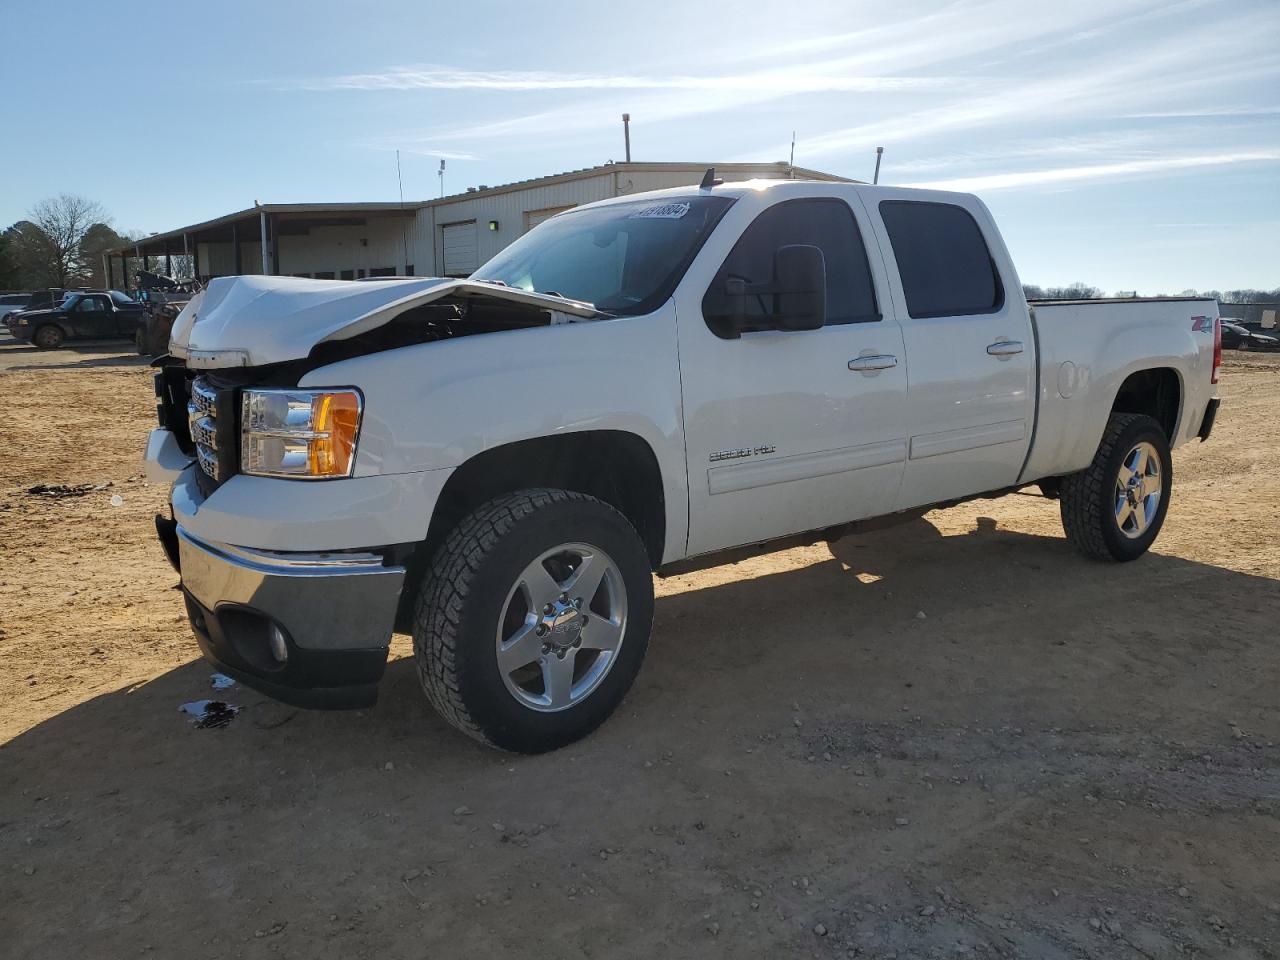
(616, 467)
(1156, 392)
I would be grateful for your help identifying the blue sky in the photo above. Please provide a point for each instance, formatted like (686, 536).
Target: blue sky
(1132, 144)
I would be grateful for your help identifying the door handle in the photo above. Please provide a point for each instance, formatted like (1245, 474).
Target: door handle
(1005, 348)
(881, 361)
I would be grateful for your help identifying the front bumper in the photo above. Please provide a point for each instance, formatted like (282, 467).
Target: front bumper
(310, 629)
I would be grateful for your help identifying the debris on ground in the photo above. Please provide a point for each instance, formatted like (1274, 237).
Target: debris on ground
(66, 489)
(208, 714)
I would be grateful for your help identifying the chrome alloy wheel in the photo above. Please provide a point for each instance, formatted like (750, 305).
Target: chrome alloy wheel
(1139, 487)
(561, 627)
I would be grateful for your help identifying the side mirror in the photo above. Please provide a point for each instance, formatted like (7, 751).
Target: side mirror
(800, 287)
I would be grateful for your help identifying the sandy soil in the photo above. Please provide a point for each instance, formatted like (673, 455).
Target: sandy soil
(1062, 758)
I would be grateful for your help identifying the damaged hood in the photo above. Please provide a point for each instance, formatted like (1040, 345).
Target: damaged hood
(255, 320)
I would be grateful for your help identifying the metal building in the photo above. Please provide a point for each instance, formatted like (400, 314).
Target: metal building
(450, 236)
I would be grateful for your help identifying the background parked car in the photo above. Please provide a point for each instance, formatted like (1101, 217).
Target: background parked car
(40, 300)
(81, 316)
(1238, 337)
(12, 303)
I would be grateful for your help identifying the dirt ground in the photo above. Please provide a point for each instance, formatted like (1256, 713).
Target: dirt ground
(952, 738)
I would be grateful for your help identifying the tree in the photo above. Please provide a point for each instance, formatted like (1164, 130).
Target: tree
(10, 279)
(27, 248)
(1073, 291)
(97, 239)
(65, 220)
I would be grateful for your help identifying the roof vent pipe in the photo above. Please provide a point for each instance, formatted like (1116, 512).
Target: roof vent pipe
(626, 134)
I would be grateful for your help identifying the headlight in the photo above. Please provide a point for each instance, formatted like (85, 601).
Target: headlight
(308, 434)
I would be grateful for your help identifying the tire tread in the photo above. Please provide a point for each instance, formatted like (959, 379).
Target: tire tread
(450, 576)
(1083, 497)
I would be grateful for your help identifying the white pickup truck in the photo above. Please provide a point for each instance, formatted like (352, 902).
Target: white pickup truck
(650, 383)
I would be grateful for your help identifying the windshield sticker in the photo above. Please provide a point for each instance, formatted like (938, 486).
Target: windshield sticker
(661, 211)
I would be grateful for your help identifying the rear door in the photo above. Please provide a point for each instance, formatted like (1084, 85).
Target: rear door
(971, 401)
(788, 431)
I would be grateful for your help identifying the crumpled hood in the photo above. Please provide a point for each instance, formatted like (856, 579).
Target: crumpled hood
(255, 320)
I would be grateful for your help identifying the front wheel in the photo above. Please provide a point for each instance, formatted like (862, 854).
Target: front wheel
(1114, 508)
(533, 619)
(48, 337)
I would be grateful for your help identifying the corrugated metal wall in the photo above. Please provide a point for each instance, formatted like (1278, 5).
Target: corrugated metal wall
(378, 244)
(500, 218)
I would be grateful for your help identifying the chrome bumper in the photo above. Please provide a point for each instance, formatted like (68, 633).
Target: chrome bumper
(311, 629)
(323, 601)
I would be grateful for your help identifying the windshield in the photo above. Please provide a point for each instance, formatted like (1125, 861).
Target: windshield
(624, 258)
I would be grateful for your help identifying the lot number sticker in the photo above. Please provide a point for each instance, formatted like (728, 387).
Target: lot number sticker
(662, 211)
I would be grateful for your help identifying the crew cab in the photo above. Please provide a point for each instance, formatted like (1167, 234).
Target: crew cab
(88, 315)
(650, 383)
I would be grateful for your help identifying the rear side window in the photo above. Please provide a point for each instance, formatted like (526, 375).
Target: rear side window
(946, 268)
(823, 223)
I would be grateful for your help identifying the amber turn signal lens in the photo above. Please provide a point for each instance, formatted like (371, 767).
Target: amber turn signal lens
(336, 417)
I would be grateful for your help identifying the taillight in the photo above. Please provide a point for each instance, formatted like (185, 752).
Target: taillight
(1217, 348)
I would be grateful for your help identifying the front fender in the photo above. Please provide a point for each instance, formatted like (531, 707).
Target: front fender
(434, 406)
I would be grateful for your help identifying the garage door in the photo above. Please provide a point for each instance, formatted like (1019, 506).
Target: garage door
(534, 217)
(461, 249)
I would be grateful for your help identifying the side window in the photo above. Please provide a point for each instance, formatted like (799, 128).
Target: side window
(946, 268)
(821, 222)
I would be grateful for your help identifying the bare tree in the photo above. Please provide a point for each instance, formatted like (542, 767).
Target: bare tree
(64, 220)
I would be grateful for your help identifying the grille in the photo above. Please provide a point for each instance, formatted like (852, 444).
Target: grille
(202, 420)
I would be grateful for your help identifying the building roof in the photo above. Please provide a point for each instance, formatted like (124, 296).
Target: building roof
(302, 215)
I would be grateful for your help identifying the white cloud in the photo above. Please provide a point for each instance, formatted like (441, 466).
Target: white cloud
(781, 82)
(1097, 171)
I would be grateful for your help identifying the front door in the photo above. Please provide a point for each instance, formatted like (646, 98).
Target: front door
(92, 317)
(971, 403)
(789, 430)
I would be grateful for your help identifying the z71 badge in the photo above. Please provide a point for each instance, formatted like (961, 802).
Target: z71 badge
(742, 452)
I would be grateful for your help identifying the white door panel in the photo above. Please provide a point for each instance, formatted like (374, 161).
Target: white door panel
(790, 431)
(970, 403)
(782, 436)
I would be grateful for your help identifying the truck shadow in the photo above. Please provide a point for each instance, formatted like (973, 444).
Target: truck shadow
(76, 355)
(906, 652)
(832, 629)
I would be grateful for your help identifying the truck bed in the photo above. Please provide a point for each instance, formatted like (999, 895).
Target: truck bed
(1088, 348)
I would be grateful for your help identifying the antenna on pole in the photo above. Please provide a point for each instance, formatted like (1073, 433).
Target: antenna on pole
(879, 153)
(793, 155)
(626, 134)
(404, 236)
(440, 174)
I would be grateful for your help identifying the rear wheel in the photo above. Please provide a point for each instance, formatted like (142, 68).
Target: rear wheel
(48, 337)
(533, 619)
(1114, 509)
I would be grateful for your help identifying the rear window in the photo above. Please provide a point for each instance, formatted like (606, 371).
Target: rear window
(943, 260)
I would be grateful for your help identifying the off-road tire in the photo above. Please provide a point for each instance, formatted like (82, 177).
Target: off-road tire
(460, 602)
(1087, 498)
(49, 337)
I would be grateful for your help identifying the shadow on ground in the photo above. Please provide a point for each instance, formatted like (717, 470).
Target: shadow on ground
(1059, 758)
(75, 355)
